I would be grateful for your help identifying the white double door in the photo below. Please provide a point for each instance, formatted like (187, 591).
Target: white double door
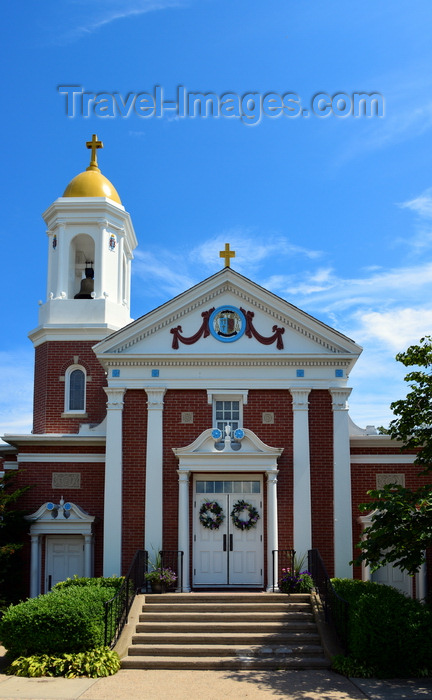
(228, 555)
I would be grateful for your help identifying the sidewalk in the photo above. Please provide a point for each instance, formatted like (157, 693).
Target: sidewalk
(214, 685)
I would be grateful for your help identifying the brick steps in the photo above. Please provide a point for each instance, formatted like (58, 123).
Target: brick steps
(226, 631)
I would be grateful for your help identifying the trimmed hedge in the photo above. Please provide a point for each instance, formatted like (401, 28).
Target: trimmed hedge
(388, 633)
(111, 581)
(69, 619)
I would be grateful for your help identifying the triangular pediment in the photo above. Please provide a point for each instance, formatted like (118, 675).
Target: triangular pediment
(256, 322)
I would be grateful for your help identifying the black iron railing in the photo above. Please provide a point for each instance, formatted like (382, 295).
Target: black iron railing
(283, 560)
(173, 559)
(336, 608)
(117, 609)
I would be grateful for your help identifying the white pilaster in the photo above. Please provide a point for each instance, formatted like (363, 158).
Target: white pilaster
(88, 555)
(183, 527)
(272, 529)
(301, 474)
(113, 483)
(154, 470)
(34, 567)
(342, 513)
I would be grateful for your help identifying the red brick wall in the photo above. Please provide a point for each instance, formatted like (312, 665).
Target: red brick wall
(51, 361)
(134, 459)
(363, 478)
(278, 434)
(321, 458)
(90, 497)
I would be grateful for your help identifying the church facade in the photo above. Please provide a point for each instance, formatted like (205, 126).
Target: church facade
(216, 425)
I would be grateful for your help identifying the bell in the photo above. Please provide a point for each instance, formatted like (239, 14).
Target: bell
(87, 285)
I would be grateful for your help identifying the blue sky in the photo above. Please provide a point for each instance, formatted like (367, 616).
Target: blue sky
(332, 213)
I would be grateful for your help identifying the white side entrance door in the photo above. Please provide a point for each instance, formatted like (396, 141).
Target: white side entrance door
(228, 555)
(393, 576)
(64, 558)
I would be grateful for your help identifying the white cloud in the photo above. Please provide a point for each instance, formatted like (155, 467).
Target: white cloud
(92, 15)
(395, 329)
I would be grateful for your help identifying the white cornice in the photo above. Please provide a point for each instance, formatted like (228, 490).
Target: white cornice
(383, 459)
(223, 361)
(61, 458)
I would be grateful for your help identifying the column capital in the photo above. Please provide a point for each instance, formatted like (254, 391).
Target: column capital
(183, 476)
(300, 398)
(155, 397)
(272, 476)
(115, 397)
(340, 398)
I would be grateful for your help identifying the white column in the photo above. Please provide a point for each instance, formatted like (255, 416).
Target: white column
(113, 483)
(88, 555)
(301, 476)
(154, 470)
(34, 567)
(342, 513)
(183, 526)
(272, 529)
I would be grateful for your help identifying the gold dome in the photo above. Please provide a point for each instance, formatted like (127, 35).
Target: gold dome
(91, 183)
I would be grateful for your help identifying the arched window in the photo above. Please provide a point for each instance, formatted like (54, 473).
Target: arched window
(75, 385)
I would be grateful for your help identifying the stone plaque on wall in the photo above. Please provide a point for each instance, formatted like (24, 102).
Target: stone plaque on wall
(187, 417)
(66, 480)
(268, 417)
(384, 479)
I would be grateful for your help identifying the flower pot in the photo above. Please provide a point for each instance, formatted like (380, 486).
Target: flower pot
(157, 587)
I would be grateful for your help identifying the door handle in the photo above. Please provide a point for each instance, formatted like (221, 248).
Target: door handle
(231, 543)
(224, 543)
(49, 582)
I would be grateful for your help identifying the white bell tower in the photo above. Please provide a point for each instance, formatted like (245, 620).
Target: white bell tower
(91, 241)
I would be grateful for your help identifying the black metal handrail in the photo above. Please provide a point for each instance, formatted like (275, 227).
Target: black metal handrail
(336, 608)
(173, 559)
(117, 609)
(283, 559)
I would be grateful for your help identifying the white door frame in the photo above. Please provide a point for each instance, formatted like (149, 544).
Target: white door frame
(58, 519)
(254, 457)
(227, 556)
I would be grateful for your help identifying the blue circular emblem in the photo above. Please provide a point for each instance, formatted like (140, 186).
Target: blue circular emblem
(216, 434)
(227, 323)
(239, 434)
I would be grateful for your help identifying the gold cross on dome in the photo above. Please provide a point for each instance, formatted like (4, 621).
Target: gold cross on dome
(94, 144)
(227, 254)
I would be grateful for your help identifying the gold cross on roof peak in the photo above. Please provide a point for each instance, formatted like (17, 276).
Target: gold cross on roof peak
(94, 144)
(227, 254)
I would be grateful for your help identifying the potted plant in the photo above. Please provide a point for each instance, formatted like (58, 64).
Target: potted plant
(160, 577)
(294, 580)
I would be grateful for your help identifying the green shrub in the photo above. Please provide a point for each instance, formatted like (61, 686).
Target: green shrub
(387, 631)
(66, 620)
(95, 663)
(110, 582)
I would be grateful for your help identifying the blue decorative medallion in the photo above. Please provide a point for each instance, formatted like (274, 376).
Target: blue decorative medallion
(239, 434)
(216, 434)
(227, 323)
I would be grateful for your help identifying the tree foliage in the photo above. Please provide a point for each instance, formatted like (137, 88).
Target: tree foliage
(12, 528)
(401, 526)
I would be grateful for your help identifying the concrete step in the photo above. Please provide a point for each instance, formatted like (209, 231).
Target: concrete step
(217, 627)
(226, 607)
(207, 663)
(248, 639)
(226, 631)
(260, 651)
(217, 597)
(222, 616)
